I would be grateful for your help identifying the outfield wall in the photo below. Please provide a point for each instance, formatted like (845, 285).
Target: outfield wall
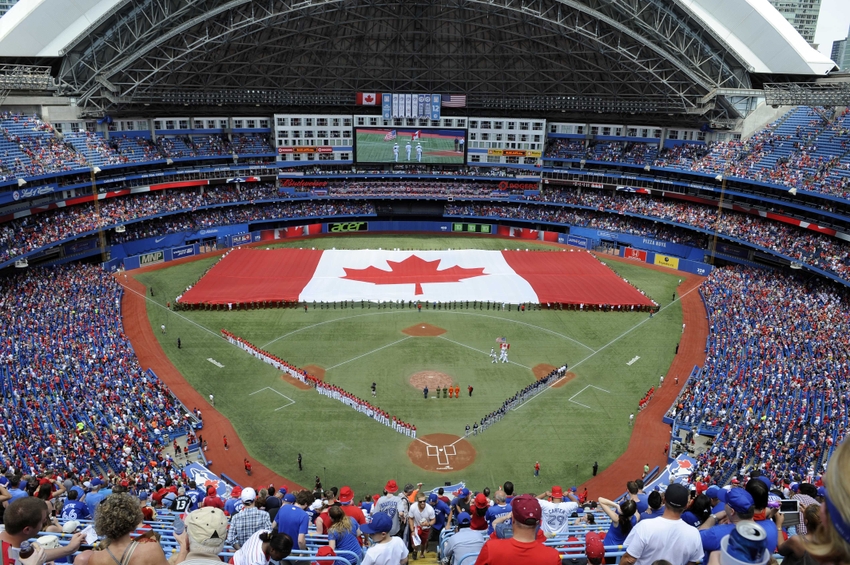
(163, 249)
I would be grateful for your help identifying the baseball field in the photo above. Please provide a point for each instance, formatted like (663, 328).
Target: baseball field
(613, 357)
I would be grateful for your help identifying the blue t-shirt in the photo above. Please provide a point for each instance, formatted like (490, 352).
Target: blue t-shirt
(292, 520)
(347, 542)
(233, 506)
(441, 514)
(92, 500)
(772, 534)
(195, 496)
(74, 510)
(615, 534)
(494, 512)
(653, 514)
(712, 536)
(691, 519)
(642, 504)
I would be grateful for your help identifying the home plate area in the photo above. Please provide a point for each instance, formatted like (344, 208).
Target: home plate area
(441, 452)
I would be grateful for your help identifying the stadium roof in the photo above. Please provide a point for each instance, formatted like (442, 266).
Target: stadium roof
(625, 56)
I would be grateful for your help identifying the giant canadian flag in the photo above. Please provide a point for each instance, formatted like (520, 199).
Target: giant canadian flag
(257, 275)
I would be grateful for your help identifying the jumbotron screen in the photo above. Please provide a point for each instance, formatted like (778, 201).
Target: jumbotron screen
(410, 145)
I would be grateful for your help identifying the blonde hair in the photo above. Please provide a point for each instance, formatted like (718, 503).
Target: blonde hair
(827, 544)
(341, 524)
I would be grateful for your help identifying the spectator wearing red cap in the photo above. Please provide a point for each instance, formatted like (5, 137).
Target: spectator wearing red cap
(667, 537)
(325, 551)
(346, 500)
(556, 512)
(523, 547)
(478, 512)
(392, 505)
(594, 548)
(213, 499)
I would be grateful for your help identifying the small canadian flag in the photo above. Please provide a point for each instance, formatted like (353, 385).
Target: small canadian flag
(368, 98)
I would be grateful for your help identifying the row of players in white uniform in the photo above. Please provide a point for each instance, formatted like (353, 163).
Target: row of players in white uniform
(409, 148)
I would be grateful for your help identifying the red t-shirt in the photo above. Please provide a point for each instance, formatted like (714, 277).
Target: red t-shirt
(511, 551)
(214, 501)
(354, 512)
(477, 523)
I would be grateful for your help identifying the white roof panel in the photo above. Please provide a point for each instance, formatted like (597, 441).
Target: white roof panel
(41, 28)
(764, 40)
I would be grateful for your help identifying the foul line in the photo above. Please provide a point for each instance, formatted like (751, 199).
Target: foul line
(613, 341)
(291, 402)
(479, 351)
(369, 353)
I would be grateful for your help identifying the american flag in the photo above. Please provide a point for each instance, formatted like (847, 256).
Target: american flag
(453, 101)
(390, 136)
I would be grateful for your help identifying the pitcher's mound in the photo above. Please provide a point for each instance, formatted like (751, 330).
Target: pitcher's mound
(315, 371)
(541, 370)
(423, 330)
(443, 453)
(567, 378)
(432, 379)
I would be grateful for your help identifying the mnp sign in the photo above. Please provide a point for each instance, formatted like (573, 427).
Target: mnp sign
(667, 261)
(151, 258)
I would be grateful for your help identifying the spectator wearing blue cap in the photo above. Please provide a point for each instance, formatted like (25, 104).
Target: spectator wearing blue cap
(386, 549)
(464, 541)
(739, 506)
(441, 515)
(93, 497)
(717, 496)
(292, 518)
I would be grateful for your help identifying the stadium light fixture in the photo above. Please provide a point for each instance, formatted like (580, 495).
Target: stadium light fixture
(21, 182)
(647, 168)
(169, 162)
(792, 191)
(95, 170)
(719, 178)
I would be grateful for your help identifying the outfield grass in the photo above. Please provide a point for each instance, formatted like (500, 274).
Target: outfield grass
(372, 148)
(361, 345)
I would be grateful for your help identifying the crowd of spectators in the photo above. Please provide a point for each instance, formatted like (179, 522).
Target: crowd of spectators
(825, 252)
(74, 398)
(806, 149)
(31, 232)
(776, 380)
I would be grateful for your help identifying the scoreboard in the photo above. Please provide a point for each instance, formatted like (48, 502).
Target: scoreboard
(472, 228)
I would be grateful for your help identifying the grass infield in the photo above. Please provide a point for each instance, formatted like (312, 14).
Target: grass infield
(565, 428)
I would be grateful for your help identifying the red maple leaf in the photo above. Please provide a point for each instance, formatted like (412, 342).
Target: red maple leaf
(412, 270)
(368, 98)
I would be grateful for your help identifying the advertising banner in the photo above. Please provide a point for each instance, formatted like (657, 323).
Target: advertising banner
(240, 239)
(632, 253)
(576, 240)
(184, 251)
(151, 258)
(342, 227)
(666, 261)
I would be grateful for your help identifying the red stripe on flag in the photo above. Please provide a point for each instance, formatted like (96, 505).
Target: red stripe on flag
(573, 278)
(246, 275)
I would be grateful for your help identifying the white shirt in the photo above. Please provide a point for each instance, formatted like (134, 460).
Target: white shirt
(673, 540)
(252, 552)
(556, 516)
(422, 517)
(389, 553)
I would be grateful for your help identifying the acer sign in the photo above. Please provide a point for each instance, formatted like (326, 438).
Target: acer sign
(291, 183)
(340, 227)
(505, 185)
(413, 270)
